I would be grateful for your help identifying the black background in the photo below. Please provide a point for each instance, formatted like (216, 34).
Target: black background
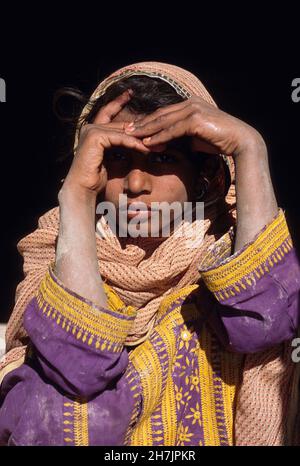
(246, 59)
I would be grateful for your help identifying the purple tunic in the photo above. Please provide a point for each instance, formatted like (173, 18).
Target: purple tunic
(80, 385)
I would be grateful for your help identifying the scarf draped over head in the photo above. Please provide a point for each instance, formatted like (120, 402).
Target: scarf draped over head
(142, 271)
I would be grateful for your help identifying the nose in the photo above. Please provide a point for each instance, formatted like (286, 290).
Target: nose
(138, 182)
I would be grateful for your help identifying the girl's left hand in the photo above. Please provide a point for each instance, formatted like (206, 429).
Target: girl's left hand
(211, 129)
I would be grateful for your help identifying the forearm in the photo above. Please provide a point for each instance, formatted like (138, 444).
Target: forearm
(256, 202)
(76, 262)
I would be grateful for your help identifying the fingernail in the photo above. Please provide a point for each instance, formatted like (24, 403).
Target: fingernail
(146, 140)
(130, 127)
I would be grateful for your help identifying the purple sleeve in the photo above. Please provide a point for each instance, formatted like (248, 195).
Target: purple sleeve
(76, 386)
(34, 411)
(256, 291)
(78, 346)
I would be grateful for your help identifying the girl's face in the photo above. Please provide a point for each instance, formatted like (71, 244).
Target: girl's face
(164, 176)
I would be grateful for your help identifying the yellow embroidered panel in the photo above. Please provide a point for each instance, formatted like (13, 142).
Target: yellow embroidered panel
(242, 269)
(188, 381)
(75, 420)
(106, 329)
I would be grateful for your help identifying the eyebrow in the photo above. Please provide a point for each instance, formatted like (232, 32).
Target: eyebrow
(127, 149)
(180, 144)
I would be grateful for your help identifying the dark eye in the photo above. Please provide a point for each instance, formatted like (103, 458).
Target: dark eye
(163, 157)
(115, 156)
(119, 156)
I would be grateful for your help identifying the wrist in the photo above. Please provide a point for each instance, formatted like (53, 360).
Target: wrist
(72, 193)
(253, 144)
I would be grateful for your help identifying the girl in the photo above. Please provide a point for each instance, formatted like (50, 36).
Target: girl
(142, 340)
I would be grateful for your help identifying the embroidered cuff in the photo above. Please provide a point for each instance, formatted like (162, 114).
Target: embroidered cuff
(105, 329)
(227, 275)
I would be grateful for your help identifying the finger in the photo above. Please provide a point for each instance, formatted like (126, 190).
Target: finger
(163, 121)
(177, 130)
(159, 112)
(114, 125)
(114, 138)
(109, 111)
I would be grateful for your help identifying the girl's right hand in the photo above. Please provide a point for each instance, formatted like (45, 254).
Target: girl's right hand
(87, 175)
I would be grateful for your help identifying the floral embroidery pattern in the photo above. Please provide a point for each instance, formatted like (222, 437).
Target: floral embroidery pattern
(195, 415)
(184, 435)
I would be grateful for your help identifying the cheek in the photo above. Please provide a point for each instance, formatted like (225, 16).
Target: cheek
(113, 188)
(171, 188)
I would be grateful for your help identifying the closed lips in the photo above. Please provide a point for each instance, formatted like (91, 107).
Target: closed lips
(138, 207)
